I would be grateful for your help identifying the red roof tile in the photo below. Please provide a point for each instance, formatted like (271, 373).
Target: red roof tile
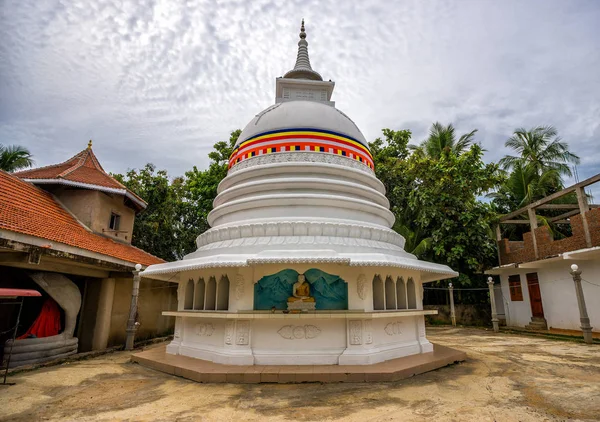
(27, 209)
(81, 168)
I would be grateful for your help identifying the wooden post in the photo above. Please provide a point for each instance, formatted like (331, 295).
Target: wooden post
(583, 315)
(583, 208)
(452, 313)
(132, 324)
(533, 225)
(493, 303)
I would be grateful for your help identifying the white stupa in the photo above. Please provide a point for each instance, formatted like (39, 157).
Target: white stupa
(300, 266)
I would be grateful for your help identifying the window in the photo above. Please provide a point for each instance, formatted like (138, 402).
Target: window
(115, 220)
(378, 295)
(189, 295)
(411, 293)
(514, 285)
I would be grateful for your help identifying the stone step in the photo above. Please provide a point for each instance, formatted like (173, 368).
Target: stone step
(537, 324)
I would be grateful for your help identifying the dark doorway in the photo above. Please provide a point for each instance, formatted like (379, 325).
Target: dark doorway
(535, 296)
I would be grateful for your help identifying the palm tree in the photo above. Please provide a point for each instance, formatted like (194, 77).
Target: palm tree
(524, 186)
(416, 242)
(14, 157)
(541, 149)
(444, 137)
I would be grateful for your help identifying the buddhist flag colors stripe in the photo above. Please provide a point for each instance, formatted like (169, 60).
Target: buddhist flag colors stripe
(313, 140)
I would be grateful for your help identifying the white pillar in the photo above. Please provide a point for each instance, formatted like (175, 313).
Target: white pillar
(583, 315)
(132, 324)
(452, 313)
(493, 303)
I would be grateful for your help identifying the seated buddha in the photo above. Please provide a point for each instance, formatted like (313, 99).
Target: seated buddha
(301, 291)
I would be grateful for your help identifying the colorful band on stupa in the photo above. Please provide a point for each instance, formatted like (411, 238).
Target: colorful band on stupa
(301, 139)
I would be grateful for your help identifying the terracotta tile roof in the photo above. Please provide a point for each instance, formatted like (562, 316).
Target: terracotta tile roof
(27, 209)
(81, 168)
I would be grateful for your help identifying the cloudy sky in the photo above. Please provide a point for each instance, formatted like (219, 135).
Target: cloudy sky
(161, 81)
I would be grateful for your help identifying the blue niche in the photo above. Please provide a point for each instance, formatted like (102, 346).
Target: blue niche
(330, 291)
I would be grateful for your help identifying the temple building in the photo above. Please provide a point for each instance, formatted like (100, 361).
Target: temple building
(300, 266)
(65, 231)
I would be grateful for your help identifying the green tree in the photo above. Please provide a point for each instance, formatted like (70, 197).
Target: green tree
(444, 137)
(536, 171)
(178, 207)
(158, 229)
(14, 157)
(541, 149)
(435, 202)
(201, 185)
(524, 186)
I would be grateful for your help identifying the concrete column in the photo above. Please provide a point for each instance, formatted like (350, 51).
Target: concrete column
(498, 240)
(493, 303)
(583, 315)
(533, 225)
(452, 313)
(103, 314)
(583, 208)
(132, 324)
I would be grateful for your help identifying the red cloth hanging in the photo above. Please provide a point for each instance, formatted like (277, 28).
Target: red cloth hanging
(47, 323)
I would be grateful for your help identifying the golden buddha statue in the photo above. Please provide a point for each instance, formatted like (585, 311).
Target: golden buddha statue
(301, 291)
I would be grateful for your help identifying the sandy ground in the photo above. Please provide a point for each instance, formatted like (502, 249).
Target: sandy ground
(506, 378)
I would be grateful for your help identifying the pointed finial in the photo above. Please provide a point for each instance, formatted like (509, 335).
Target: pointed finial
(302, 69)
(90, 144)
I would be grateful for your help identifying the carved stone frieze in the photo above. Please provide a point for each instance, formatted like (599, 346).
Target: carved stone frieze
(355, 328)
(229, 330)
(239, 286)
(368, 332)
(204, 329)
(242, 333)
(361, 286)
(296, 229)
(294, 332)
(393, 328)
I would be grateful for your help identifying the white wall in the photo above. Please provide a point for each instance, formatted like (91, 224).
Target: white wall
(518, 314)
(559, 298)
(558, 295)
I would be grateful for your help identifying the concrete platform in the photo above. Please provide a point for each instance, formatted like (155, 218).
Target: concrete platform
(204, 371)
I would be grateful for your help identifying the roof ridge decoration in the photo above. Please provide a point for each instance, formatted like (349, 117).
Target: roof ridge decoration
(67, 173)
(302, 69)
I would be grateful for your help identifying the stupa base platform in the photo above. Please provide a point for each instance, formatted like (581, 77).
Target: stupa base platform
(208, 372)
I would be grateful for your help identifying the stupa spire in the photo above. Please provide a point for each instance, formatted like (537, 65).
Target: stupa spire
(302, 69)
(302, 61)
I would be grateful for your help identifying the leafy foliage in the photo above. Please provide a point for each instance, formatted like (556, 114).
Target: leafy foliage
(541, 150)
(14, 157)
(434, 199)
(535, 172)
(443, 138)
(177, 207)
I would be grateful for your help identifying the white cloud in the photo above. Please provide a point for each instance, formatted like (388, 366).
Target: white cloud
(162, 81)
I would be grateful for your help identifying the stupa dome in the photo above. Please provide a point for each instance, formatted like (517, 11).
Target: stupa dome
(303, 115)
(300, 224)
(302, 126)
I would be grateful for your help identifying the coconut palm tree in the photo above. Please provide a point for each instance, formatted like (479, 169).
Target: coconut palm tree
(14, 157)
(416, 242)
(442, 137)
(541, 149)
(524, 186)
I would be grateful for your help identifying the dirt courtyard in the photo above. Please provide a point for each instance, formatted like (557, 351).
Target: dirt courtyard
(506, 378)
